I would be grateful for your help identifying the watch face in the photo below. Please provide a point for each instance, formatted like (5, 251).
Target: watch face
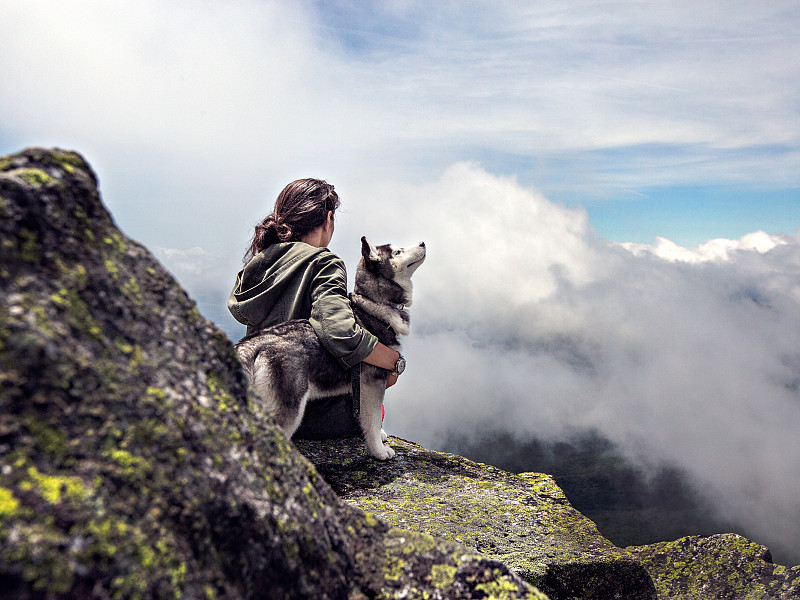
(400, 366)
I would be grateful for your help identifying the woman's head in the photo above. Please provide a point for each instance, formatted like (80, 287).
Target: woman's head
(300, 208)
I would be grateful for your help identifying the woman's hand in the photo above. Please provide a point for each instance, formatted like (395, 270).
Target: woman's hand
(391, 379)
(385, 358)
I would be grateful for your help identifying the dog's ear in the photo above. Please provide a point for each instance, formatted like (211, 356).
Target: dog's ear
(368, 250)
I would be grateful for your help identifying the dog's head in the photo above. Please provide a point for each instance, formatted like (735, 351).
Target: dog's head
(392, 262)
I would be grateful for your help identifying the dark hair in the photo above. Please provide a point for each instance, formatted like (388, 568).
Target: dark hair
(301, 207)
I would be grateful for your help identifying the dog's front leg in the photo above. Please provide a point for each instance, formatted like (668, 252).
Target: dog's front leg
(372, 390)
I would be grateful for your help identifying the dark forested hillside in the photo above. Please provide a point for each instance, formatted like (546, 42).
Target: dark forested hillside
(630, 505)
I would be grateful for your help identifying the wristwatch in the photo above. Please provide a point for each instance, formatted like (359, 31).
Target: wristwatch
(399, 366)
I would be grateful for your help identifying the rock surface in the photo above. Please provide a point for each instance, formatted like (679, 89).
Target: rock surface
(525, 520)
(133, 462)
(717, 566)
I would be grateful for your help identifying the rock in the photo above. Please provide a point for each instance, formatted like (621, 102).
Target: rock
(133, 461)
(524, 521)
(717, 566)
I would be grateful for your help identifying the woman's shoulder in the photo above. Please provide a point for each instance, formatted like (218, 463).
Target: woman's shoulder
(284, 252)
(301, 255)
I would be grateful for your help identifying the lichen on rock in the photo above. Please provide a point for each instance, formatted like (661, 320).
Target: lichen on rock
(523, 521)
(717, 566)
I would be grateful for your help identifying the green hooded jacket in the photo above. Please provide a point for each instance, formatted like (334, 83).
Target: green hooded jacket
(295, 280)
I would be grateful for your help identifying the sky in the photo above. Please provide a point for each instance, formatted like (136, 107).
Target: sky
(609, 193)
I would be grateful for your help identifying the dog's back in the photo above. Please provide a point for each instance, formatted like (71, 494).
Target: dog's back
(287, 366)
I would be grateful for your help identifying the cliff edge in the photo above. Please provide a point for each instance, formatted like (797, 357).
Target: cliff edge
(524, 521)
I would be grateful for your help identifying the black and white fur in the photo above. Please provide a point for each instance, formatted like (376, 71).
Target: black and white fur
(288, 367)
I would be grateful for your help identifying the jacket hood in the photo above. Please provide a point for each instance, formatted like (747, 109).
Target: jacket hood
(262, 282)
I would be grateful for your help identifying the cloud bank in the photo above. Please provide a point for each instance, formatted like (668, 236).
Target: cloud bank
(524, 321)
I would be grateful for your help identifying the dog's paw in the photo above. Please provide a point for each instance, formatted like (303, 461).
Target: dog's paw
(385, 452)
(384, 436)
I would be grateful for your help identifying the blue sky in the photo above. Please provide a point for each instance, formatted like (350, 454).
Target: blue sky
(608, 192)
(726, 75)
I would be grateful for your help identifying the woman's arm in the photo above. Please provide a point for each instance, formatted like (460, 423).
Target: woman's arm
(332, 315)
(332, 319)
(385, 358)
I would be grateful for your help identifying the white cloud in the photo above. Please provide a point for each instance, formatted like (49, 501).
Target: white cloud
(524, 320)
(719, 249)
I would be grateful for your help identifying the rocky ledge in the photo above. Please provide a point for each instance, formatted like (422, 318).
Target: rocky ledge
(134, 463)
(717, 566)
(524, 521)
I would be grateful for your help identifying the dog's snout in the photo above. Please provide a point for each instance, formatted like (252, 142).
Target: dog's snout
(422, 244)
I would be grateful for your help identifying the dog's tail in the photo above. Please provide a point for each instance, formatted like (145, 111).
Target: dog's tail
(247, 356)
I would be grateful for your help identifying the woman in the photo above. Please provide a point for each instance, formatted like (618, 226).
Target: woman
(291, 274)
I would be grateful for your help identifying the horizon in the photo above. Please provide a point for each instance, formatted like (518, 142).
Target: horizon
(609, 192)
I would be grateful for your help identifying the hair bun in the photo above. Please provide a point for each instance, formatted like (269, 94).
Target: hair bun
(283, 231)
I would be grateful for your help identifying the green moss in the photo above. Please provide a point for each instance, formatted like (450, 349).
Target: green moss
(75, 275)
(724, 565)
(131, 465)
(524, 521)
(48, 571)
(112, 269)
(132, 291)
(127, 348)
(274, 491)
(43, 322)
(29, 250)
(112, 540)
(371, 520)
(36, 177)
(219, 391)
(443, 575)
(137, 358)
(89, 237)
(68, 161)
(9, 505)
(414, 542)
(114, 241)
(394, 568)
(77, 312)
(502, 588)
(156, 393)
(49, 440)
(54, 488)
(178, 576)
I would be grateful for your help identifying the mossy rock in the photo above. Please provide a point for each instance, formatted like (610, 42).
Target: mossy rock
(523, 521)
(717, 566)
(134, 463)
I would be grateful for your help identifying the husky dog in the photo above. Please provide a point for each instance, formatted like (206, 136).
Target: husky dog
(287, 366)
